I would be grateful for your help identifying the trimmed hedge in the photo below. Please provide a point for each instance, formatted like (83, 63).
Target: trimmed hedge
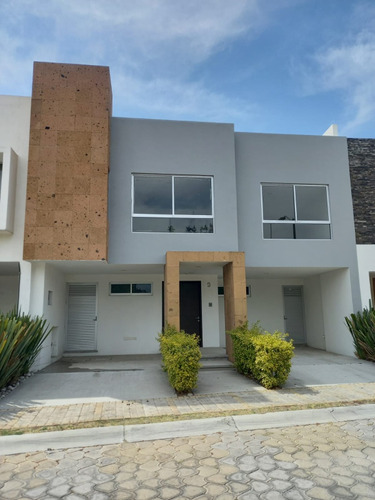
(264, 356)
(181, 354)
(21, 339)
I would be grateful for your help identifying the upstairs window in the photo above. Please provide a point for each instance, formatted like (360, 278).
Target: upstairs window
(295, 211)
(172, 204)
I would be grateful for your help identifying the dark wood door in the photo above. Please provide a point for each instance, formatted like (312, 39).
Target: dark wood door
(191, 308)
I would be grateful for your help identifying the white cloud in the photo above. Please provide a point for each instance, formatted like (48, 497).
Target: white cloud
(169, 99)
(153, 47)
(348, 68)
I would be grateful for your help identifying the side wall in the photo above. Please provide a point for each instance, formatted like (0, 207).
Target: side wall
(337, 301)
(44, 278)
(14, 133)
(366, 267)
(315, 331)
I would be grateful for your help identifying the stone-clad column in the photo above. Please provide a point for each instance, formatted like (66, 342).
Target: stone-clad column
(172, 290)
(67, 181)
(234, 297)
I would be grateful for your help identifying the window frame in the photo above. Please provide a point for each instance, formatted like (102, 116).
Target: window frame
(172, 215)
(130, 293)
(296, 221)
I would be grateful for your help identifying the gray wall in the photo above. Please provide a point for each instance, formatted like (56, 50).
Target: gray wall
(293, 159)
(169, 147)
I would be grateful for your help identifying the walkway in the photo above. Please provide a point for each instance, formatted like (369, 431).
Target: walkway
(255, 400)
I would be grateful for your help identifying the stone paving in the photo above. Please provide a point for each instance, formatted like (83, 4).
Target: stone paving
(256, 399)
(325, 461)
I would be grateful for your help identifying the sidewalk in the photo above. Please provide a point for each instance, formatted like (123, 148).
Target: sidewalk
(254, 400)
(92, 392)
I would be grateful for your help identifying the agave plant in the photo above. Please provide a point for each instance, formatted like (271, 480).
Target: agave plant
(21, 339)
(362, 329)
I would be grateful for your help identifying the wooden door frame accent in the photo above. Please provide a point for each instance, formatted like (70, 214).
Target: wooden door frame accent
(234, 284)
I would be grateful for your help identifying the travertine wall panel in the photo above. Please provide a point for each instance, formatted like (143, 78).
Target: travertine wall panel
(67, 190)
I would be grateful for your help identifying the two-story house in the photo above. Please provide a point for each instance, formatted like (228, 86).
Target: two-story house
(121, 225)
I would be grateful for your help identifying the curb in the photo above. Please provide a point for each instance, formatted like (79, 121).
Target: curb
(99, 436)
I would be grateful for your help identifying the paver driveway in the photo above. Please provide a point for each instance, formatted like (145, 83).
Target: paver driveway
(321, 461)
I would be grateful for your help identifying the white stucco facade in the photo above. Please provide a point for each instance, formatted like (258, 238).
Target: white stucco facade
(325, 279)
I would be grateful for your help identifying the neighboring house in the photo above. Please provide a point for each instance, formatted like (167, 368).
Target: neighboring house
(362, 172)
(127, 224)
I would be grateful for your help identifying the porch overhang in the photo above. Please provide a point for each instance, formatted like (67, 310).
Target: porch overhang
(234, 277)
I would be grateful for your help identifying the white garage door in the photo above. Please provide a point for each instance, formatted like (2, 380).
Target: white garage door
(81, 328)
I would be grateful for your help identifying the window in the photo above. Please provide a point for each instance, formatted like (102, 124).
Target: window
(220, 290)
(130, 289)
(295, 211)
(172, 204)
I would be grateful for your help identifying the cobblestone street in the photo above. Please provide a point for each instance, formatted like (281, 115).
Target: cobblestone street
(320, 461)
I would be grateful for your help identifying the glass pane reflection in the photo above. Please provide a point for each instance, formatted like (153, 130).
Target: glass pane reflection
(172, 225)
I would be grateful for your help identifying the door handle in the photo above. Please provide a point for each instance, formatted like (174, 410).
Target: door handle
(198, 318)
(95, 318)
(285, 317)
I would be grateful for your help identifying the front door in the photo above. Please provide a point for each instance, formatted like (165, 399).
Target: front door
(81, 327)
(191, 308)
(293, 313)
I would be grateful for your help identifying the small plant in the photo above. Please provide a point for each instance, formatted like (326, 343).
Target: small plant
(264, 356)
(21, 339)
(181, 354)
(362, 329)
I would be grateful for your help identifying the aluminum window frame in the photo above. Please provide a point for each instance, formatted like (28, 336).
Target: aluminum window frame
(130, 293)
(173, 214)
(296, 221)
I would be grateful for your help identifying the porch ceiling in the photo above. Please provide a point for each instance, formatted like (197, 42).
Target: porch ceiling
(193, 268)
(286, 272)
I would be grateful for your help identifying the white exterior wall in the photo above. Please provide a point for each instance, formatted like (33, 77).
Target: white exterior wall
(315, 334)
(366, 268)
(14, 133)
(129, 324)
(44, 278)
(337, 303)
(265, 304)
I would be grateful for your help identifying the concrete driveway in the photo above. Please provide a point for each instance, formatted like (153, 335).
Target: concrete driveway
(118, 378)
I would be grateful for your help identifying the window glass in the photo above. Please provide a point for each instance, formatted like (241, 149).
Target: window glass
(278, 202)
(192, 196)
(172, 225)
(313, 231)
(312, 203)
(152, 194)
(141, 288)
(120, 288)
(172, 204)
(279, 231)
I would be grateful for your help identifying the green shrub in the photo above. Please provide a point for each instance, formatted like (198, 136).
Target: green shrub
(181, 354)
(264, 356)
(21, 339)
(362, 329)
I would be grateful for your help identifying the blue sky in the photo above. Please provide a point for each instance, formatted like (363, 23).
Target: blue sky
(274, 66)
